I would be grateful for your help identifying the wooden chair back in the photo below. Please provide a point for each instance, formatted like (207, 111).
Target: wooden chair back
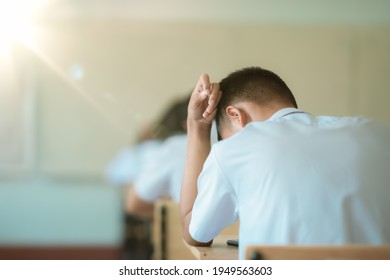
(343, 252)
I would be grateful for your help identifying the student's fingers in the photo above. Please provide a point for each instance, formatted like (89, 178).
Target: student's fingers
(218, 97)
(213, 100)
(198, 96)
(205, 79)
(201, 91)
(204, 85)
(210, 116)
(214, 97)
(204, 99)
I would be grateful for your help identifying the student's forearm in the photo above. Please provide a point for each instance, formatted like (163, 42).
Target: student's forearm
(201, 112)
(198, 148)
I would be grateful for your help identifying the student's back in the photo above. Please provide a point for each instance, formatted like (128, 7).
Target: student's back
(326, 182)
(126, 165)
(162, 173)
(289, 177)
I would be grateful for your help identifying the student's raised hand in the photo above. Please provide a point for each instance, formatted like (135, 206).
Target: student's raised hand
(201, 112)
(204, 101)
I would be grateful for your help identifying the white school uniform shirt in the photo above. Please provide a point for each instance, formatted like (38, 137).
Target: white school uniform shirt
(126, 165)
(162, 175)
(298, 179)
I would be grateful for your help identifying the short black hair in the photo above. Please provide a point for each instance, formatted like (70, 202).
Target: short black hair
(253, 84)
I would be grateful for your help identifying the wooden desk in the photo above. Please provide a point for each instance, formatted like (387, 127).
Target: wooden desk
(167, 233)
(218, 251)
(328, 252)
(167, 237)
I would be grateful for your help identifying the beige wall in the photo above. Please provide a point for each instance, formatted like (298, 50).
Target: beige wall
(134, 69)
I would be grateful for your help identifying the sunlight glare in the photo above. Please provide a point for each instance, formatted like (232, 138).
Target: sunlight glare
(14, 22)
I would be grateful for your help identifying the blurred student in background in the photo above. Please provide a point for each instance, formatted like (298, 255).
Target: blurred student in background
(162, 172)
(126, 165)
(154, 168)
(150, 170)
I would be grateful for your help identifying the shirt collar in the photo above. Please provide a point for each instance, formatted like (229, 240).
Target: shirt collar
(284, 112)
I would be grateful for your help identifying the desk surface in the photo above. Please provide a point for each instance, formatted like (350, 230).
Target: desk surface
(218, 251)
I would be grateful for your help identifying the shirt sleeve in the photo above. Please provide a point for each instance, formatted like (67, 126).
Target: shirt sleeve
(215, 206)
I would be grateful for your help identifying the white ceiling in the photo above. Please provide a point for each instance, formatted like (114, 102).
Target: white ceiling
(360, 12)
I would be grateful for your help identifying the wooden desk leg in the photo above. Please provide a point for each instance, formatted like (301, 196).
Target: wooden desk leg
(164, 232)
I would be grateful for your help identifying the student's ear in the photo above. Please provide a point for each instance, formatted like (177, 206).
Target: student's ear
(237, 116)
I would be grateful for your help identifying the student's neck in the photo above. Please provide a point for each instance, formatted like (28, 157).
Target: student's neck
(257, 112)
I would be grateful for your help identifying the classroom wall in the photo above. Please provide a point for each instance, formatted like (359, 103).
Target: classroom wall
(134, 69)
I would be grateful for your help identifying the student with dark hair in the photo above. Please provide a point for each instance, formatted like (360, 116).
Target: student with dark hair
(259, 86)
(288, 176)
(173, 121)
(129, 164)
(162, 172)
(147, 171)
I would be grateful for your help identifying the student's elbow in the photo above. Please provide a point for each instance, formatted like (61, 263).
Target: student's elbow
(185, 221)
(191, 241)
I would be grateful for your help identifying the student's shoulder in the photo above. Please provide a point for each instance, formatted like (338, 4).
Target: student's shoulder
(234, 143)
(240, 137)
(173, 143)
(342, 120)
(355, 124)
(149, 144)
(175, 140)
